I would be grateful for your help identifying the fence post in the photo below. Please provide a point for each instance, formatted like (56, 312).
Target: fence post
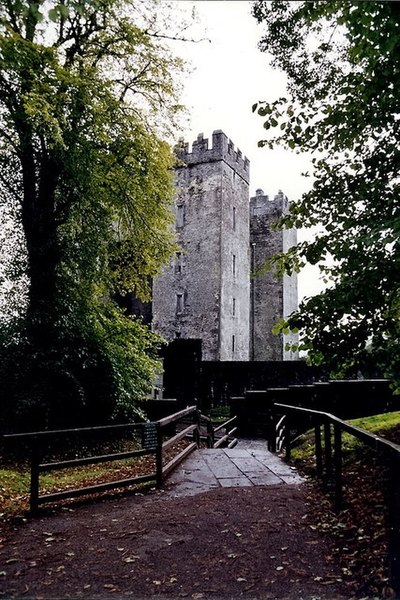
(328, 448)
(338, 466)
(210, 434)
(287, 438)
(159, 457)
(34, 491)
(196, 432)
(318, 447)
(394, 524)
(272, 431)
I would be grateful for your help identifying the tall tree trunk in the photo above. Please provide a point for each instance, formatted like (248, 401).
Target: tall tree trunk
(40, 228)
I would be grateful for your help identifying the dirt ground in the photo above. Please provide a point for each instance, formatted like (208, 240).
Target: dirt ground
(226, 543)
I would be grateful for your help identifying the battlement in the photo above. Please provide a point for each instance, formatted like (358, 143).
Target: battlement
(222, 149)
(260, 204)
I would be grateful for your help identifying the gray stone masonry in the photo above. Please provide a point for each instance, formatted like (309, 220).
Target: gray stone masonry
(271, 298)
(205, 291)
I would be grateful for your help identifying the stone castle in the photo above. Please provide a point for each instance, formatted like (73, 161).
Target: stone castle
(208, 291)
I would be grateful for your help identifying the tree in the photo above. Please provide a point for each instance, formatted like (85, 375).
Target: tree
(342, 61)
(86, 92)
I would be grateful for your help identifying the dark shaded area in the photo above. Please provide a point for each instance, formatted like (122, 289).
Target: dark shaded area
(220, 544)
(182, 371)
(135, 307)
(222, 380)
(188, 379)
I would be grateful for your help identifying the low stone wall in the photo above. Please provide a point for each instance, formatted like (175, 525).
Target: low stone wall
(346, 399)
(219, 381)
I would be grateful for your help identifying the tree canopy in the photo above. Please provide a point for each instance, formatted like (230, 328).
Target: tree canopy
(87, 93)
(342, 61)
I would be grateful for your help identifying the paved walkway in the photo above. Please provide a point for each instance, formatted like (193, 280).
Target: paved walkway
(248, 464)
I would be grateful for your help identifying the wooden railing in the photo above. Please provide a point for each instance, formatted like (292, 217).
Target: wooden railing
(329, 460)
(228, 433)
(153, 443)
(162, 446)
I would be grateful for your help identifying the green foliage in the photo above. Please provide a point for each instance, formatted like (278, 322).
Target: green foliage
(86, 93)
(342, 62)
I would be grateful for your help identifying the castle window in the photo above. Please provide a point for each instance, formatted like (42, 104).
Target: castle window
(233, 344)
(233, 307)
(179, 304)
(180, 215)
(178, 262)
(234, 218)
(234, 265)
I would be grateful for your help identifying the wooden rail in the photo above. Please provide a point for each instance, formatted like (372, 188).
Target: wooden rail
(329, 460)
(164, 470)
(152, 439)
(228, 436)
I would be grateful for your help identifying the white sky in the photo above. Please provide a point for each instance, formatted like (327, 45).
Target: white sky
(229, 75)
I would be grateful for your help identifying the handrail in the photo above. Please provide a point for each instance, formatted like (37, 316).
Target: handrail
(152, 442)
(152, 445)
(176, 416)
(228, 434)
(335, 467)
(225, 424)
(372, 439)
(56, 432)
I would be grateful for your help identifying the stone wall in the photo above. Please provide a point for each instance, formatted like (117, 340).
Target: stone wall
(204, 292)
(271, 297)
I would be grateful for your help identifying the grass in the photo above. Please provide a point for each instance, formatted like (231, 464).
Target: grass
(219, 414)
(15, 481)
(15, 475)
(382, 424)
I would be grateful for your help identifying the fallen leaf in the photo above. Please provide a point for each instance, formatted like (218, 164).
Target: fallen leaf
(130, 559)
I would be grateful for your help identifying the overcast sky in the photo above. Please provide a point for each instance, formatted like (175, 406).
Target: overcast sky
(229, 75)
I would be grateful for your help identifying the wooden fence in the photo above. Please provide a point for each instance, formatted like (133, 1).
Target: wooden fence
(329, 459)
(155, 441)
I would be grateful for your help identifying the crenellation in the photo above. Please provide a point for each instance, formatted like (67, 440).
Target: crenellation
(222, 149)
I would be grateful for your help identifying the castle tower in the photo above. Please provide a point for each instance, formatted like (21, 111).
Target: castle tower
(270, 298)
(205, 291)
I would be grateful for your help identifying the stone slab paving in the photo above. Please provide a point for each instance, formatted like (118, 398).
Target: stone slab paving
(248, 464)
